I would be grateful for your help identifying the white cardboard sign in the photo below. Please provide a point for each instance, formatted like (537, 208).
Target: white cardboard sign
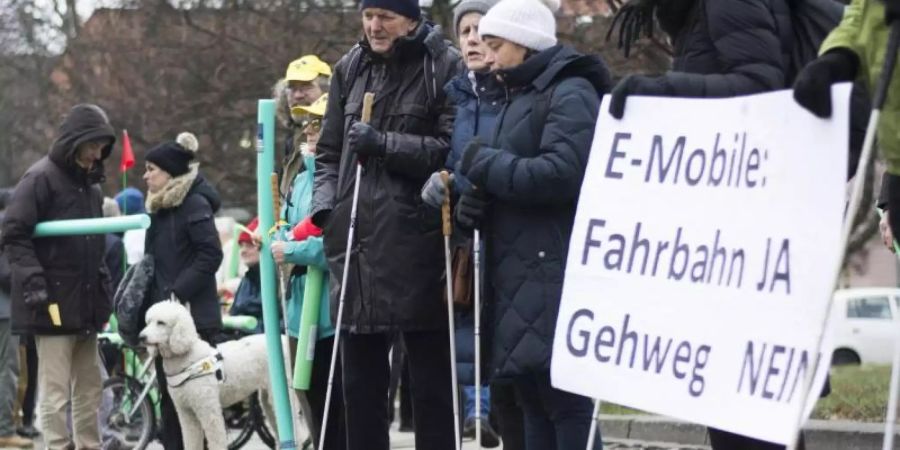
(702, 259)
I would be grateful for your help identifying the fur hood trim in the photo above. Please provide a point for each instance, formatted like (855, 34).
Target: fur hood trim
(174, 192)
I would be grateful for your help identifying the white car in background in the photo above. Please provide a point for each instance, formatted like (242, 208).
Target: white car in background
(866, 325)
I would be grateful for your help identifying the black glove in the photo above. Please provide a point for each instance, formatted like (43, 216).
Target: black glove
(36, 292)
(635, 85)
(812, 90)
(468, 155)
(634, 18)
(365, 140)
(470, 209)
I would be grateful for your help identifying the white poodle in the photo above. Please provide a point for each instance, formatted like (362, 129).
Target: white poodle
(203, 379)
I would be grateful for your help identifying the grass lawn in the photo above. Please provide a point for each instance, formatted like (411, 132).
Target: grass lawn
(857, 393)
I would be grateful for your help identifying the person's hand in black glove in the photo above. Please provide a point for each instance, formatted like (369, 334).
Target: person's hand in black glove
(471, 209)
(434, 191)
(812, 90)
(36, 292)
(365, 140)
(635, 85)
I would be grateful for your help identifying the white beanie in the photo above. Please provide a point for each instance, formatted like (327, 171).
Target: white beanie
(529, 23)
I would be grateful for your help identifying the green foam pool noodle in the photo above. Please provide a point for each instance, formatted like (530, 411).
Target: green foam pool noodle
(241, 323)
(78, 227)
(309, 319)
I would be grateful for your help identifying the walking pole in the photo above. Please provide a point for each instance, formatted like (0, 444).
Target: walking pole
(476, 253)
(276, 205)
(888, 443)
(448, 229)
(368, 99)
(881, 92)
(595, 422)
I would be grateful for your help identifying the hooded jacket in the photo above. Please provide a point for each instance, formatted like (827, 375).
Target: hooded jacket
(479, 98)
(397, 265)
(73, 268)
(533, 178)
(185, 246)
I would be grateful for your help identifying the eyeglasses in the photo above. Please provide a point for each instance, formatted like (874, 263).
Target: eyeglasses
(312, 124)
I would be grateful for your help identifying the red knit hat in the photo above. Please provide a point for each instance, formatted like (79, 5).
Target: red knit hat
(252, 226)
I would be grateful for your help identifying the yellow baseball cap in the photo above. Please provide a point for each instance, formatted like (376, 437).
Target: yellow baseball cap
(316, 109)
(307, 68)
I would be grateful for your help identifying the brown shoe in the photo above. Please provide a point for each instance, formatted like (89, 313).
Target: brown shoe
(15, 442)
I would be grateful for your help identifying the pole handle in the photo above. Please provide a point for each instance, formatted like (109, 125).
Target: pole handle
(276, 198)
(368, 101)
(890, 62)
(445, 207)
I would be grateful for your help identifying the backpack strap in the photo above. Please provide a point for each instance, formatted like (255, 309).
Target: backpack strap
(352, 72)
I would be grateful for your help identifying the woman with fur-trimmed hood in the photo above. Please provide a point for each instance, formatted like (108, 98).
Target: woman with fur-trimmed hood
(185, 246)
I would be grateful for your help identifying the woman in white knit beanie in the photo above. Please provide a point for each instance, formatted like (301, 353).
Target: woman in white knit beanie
(527, 175)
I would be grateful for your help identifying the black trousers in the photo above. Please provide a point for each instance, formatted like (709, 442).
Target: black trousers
(367, 379)
(31, 362)
(336, 434)
(723, 440)
(506, 408)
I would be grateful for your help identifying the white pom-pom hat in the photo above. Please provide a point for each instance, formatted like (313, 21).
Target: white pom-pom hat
(188, 141)
(529, 23)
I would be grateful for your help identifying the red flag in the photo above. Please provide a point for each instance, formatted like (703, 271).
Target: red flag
(127, 153)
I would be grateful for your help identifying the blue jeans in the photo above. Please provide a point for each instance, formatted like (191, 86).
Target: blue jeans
(554, 419)
(469, 392)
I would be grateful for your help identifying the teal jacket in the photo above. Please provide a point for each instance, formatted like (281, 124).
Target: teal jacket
(310, 252)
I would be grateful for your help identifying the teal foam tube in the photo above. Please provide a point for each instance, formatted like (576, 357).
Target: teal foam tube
(309, 319)
(100, 225)
(265, 165)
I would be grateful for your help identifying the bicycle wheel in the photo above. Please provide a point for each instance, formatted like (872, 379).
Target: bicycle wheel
(262, 427)
(239, 423)
(123, 430)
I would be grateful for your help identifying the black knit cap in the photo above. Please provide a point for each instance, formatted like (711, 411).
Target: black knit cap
(407, 8)
(171, 157)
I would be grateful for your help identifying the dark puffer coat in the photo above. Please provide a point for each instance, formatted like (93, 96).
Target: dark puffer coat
(397, 264)
(726, 48)
(56, 188)
(533, 175)
(476, 115)
(185, 246)
(746, 44)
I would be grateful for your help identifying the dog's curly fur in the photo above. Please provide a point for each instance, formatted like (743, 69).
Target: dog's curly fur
(171, 332)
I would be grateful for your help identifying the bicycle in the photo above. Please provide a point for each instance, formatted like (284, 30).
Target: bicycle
(133, 399)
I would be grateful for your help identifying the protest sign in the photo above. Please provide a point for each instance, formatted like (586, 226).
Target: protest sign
(702, 259)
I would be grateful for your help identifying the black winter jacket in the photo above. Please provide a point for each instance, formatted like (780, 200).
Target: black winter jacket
(397, 265)
(56, 188)
(725, 48)
(533, 175)
(185, 246)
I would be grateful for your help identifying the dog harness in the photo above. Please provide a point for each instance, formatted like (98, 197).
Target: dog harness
(211, 365)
